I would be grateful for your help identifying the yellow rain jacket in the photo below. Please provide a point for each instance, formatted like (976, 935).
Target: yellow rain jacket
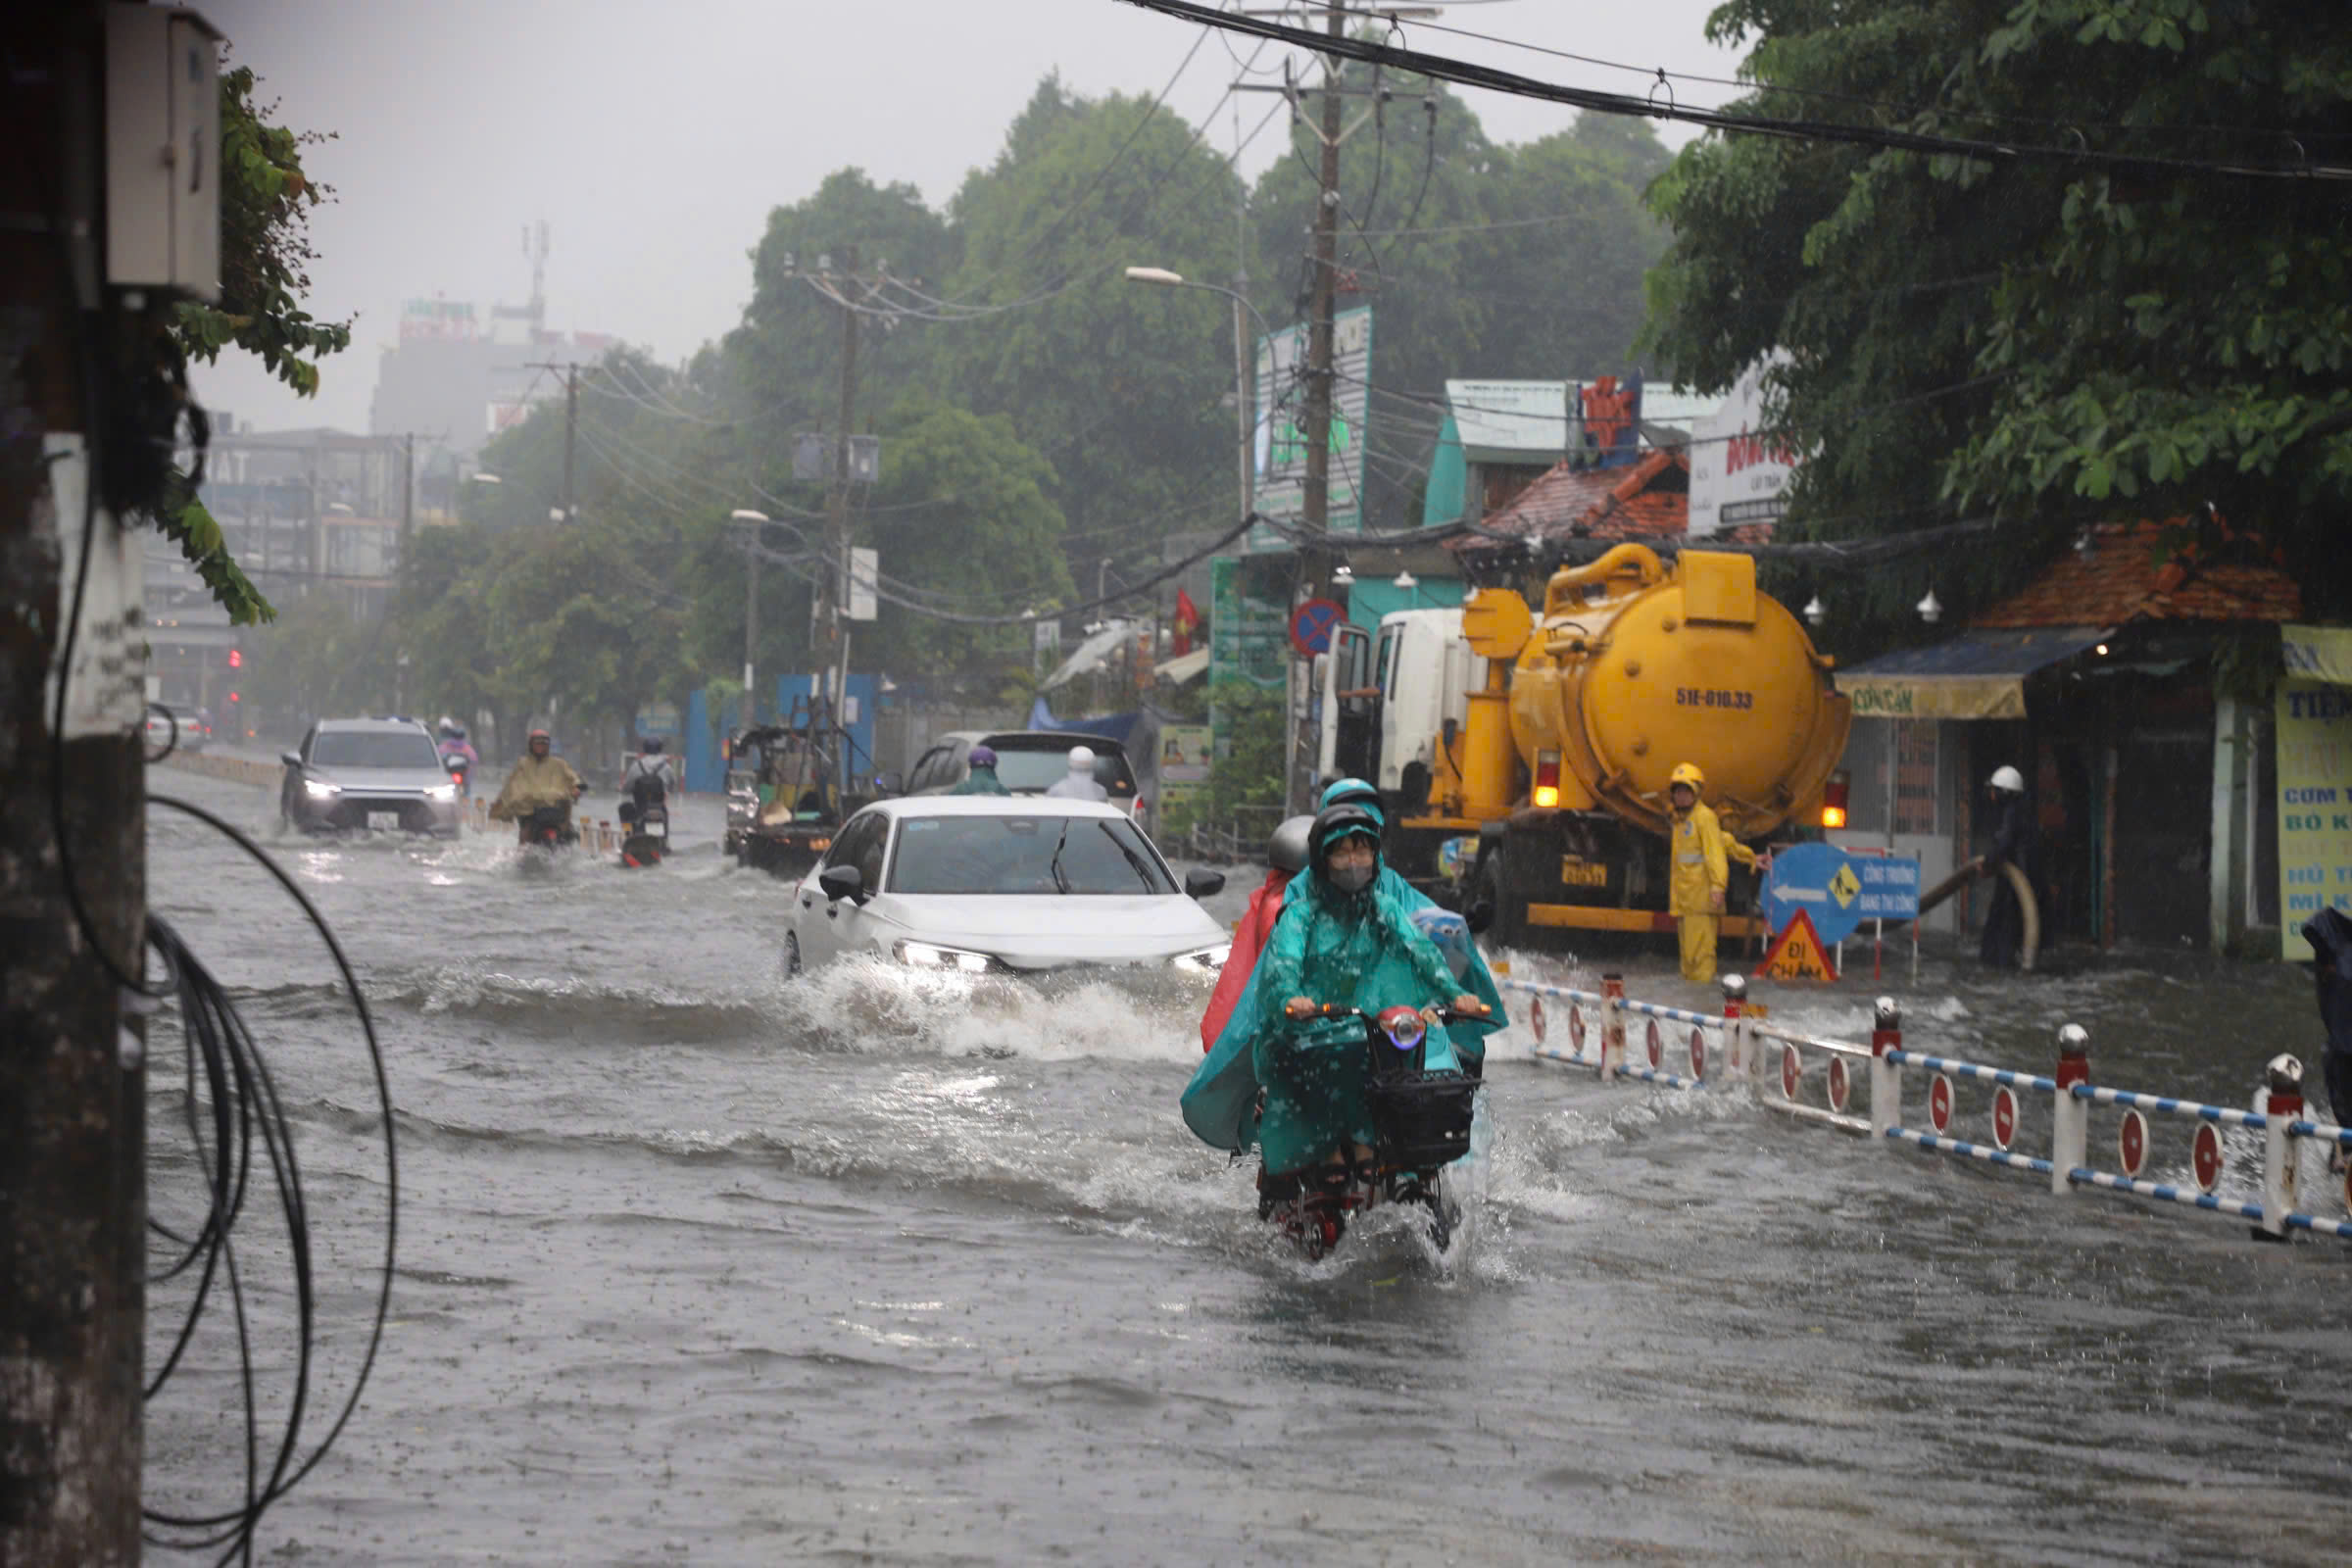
(535, 782)
(1701, 861)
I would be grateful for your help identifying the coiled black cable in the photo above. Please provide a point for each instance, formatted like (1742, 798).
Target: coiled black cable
(231, 1100)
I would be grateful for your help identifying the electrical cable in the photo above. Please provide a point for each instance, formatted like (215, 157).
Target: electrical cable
(1999, 154)
(225, 1069)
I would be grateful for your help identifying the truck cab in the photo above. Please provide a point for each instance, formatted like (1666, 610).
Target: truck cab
(1389, 700)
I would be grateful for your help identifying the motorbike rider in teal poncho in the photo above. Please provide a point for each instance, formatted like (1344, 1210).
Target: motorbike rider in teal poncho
(1348, 941)
(1438, 924)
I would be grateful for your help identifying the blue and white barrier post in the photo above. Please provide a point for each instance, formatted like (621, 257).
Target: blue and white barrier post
(2283, 1102)
(2070, 1113)
(1612, 1026)
(1736, 1048)
(1886, 1077)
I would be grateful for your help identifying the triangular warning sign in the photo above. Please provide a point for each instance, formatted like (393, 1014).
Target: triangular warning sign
(1796, 953)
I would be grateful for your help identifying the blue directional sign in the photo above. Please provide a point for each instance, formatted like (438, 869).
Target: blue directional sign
(1838, 890)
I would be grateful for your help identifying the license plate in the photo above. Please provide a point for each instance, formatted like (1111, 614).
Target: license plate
(383, 821)
(1576, 874)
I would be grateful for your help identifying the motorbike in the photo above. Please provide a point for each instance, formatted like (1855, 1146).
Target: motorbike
(1420, 1114)
(547, 827)
(645, 814)
(460, 772)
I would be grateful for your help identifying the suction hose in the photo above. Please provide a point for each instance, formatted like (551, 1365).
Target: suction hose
(2028, 906)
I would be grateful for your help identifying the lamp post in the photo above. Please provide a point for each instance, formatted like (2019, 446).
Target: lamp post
(1161, 277)
(751, 601)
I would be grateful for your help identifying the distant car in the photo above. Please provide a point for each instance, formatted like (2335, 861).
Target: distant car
(185, 729)
(1028, 762)
(997, 884)
(379, 773)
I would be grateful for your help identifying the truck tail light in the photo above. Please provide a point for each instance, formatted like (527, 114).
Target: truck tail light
(1547, 779)
(1833, 799)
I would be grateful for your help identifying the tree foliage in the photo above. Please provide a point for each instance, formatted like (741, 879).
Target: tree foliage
(2041, 340)
(265, 200)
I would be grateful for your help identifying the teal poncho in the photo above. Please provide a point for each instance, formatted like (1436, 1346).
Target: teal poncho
(1356, 948)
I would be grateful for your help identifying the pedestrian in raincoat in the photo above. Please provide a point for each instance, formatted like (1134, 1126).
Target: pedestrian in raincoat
(1700, 870)
(1079, 783)
(981, 779)
(2015, 841)
(540, 779)
(1286, 858)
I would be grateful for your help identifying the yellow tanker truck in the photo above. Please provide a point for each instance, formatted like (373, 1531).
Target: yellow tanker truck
(1557, 762)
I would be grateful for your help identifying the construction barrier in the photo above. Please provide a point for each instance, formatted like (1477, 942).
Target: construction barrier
(1778, 1064)
(238, 769)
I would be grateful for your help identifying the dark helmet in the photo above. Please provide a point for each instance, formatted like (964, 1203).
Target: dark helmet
(1287, 849)
(1335, 822)
(980, 757)
(653, 745)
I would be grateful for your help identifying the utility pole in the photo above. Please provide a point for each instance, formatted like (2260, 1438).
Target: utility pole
(408, 507)
(571, 420)
(72, 1079)
(1316, 501)
(837, 529)
(751, 628)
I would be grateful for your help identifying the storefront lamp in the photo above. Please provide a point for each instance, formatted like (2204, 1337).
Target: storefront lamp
(1930, 609)
(1816, 612)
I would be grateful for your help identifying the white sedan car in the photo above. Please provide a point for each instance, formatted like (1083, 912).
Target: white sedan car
(996, 884)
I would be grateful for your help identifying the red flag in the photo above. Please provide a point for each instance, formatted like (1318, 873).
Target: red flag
(1187, 622)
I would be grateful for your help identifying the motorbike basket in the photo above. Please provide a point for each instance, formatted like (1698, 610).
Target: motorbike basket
(1423, 1119)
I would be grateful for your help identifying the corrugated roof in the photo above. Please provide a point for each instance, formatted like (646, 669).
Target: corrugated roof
(2119, 581)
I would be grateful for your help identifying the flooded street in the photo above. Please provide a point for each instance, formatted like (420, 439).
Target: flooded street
(699, 1266)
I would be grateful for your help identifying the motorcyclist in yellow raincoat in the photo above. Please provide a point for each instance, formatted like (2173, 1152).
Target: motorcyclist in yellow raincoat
(1700, 853)
(539, 781)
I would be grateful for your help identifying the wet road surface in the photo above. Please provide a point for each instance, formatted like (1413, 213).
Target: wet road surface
(700, 1266)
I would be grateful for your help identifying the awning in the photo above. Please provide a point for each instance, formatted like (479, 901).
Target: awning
(2317, 652)
(1183, 667)
(1977, 675)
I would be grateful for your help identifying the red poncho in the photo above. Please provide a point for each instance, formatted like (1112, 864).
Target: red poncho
(1248, 939)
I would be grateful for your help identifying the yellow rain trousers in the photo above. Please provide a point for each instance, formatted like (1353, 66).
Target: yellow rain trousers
(1700, 871)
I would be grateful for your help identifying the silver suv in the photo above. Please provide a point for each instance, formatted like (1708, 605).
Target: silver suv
(380, 773)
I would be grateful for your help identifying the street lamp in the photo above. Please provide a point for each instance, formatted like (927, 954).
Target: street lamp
(750, 600)
(1930, 609)
(1161, 277)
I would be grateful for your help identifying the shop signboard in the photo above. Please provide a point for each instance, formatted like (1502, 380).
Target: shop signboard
(2314, 807)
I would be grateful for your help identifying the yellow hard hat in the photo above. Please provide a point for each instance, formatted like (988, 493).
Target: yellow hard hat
(1687, 773)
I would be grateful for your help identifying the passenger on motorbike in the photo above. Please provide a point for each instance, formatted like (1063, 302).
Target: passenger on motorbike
(454, 747)
(1347, 943)
(646, 781)
(539, 792)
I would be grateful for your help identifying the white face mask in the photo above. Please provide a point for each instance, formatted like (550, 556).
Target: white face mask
(1352, 878)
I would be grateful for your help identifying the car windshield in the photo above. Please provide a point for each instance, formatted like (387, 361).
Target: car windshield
(1038, 770)
(1018, 854)
(375, 749)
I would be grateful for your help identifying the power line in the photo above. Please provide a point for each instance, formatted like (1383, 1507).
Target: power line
(1466, 74)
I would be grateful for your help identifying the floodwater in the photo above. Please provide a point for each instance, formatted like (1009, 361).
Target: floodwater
(699, 1266)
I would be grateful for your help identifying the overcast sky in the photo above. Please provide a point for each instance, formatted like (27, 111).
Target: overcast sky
(654, 138)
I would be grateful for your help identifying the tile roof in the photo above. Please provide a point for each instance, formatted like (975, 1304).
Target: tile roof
(1647, 501)
(2120, 582)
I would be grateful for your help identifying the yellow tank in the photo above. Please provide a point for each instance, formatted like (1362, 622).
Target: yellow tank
(1633, 667)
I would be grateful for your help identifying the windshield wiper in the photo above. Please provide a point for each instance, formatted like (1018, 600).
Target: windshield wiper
(1060, 878)
(1135, 862)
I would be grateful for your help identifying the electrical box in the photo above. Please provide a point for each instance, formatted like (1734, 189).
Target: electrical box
(163, 150)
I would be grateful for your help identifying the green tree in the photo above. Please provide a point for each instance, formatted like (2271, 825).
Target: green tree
(2046, 341)
(265, 200)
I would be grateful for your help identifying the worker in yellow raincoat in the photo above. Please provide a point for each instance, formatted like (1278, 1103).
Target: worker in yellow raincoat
(1700, 853)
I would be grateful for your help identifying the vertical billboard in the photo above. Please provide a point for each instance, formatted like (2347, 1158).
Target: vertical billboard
(1740, 471)
(2314, 807)
(1280, 440)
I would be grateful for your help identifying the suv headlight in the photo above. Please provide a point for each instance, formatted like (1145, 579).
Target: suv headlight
(318, 791)
(441, 792)
(1203, 960)
(931, 956)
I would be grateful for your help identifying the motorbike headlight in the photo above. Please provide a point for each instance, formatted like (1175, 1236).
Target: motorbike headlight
(319, 790)
(1203, 960)
(930, 956)
(441, 792)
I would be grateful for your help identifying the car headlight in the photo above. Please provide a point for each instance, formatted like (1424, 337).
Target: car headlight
(930, 956)
(318, 791)
(1203, 960)
(441, 792)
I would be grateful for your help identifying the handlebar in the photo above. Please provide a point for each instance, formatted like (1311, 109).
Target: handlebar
(1479, 1012)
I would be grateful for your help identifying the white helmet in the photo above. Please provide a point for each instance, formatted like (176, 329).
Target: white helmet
(1082, 759)
(2009, 778)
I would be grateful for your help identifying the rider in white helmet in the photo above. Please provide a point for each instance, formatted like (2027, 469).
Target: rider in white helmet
(2014, 835)
(1080, 784)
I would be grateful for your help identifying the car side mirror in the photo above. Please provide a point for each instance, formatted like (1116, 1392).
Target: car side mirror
(290, 759)
(1202, 883)
(889, 784)
(842, 882)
